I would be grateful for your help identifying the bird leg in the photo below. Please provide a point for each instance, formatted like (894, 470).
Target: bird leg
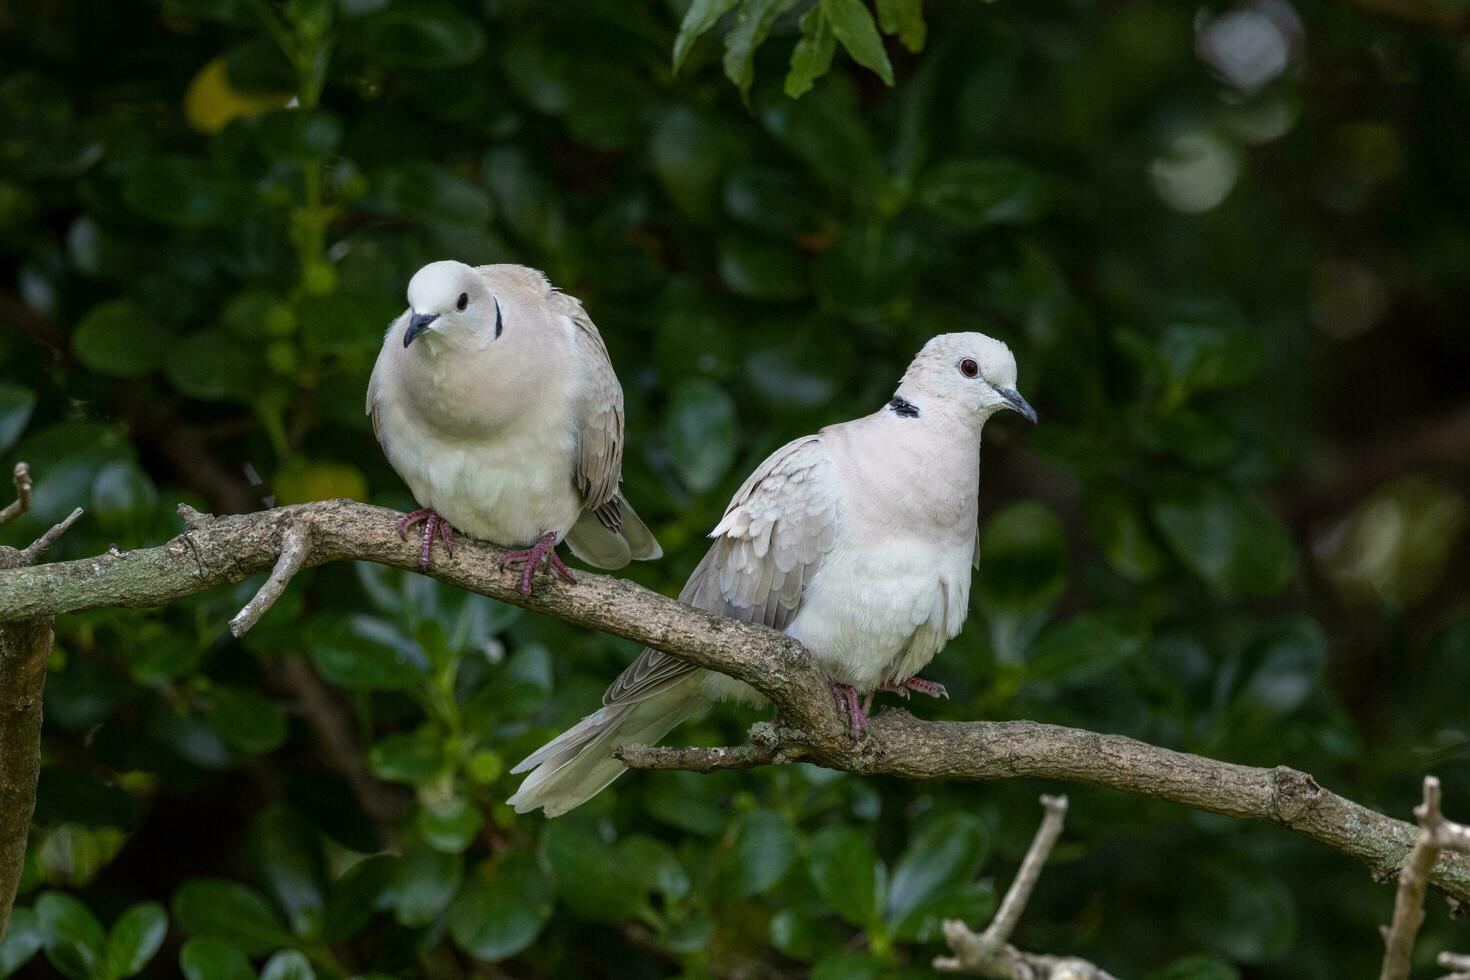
(847, 699)
(933, 689)
(543, 550)
(433, 524)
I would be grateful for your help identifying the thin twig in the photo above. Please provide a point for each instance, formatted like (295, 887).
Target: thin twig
(1435, 834)
(295, 545)
(22, 502)
(990, 953)
(33, 552)
(1019, 894)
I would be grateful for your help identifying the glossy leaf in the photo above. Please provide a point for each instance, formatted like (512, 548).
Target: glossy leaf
(845, 871)
(946, 853)
(74, 941)
(135, 938)
(237, 916)
(500, 912)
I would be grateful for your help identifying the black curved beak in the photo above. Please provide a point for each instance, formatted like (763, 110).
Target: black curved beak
(1014, 400)
(417, 324)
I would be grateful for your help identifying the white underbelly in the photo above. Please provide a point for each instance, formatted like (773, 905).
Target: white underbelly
(508, 491)
(883, 615)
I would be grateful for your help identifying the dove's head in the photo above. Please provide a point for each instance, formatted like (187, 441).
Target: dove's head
(968, 374)
(454, 302)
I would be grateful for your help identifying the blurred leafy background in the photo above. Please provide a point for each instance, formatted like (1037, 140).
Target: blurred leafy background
(1228, 245)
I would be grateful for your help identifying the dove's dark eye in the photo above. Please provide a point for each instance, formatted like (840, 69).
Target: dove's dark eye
(969, 368)
(462, 302)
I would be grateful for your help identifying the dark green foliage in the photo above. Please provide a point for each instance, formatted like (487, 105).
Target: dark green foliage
(1238, 530)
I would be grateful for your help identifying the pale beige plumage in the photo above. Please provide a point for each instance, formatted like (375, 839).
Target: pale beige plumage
(505, 417)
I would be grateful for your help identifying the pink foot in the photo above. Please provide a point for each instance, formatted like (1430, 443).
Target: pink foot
(933, 689)
(433, 524)
(847, 699)
(543, 550)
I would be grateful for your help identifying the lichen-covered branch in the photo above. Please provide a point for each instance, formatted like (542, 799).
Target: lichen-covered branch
(990, 953)
(1435, 835)
(25, 645)
(214, 552)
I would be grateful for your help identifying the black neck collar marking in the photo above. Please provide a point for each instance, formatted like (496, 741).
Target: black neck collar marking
(499, 326)
(903, 408)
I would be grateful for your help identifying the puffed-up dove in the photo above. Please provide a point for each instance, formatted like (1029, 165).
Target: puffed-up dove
(858, 541)
(495, 401)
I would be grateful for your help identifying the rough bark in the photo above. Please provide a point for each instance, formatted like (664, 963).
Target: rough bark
(219, 551)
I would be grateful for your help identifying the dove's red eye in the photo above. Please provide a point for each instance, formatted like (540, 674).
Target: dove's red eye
(462, 302)
(969, 368)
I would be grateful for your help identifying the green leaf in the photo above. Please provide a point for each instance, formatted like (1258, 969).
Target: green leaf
(365, 888)
(844, 870)
(906, 19)
(1282, 668)
(752, 25)
(229, 912)
(424, 883)
(976, 194)
(847, 966)
(21, 941)
(698, 19)
(502, 911)
(352, 653)
(288, 964)
(972, 901)
(424, 36)
(947, 852)
(1226, 537)
(246, 720)
(74, 940)
(812, 56)
(214, 959)
(449, 826)
(411, 758)
(587, 882)
(1085, 647)
(214, 366)
(286, 852)
(184, 193)
(803, 936)
(1207, 357)
(120, 338)
(1118, 524)
(427, 192)
(135, 938)
(852, 23)
(764, 850)
(16, 404)
(701, 431)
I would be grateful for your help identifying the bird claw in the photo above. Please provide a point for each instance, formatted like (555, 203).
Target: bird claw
(543, 550)
(857, 718)
(433, 525)
(932, 689)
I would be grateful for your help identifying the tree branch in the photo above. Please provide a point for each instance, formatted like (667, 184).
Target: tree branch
(25, 646)
(294, 545)
(1435, 834)
(22, 501)
(213, 552)
(990, 953)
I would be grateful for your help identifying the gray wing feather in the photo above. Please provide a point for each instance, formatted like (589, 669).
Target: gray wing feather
(599, 419)
(778, 529)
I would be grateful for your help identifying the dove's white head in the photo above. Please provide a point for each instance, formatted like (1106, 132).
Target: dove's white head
(455, 302)
(968, 375)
